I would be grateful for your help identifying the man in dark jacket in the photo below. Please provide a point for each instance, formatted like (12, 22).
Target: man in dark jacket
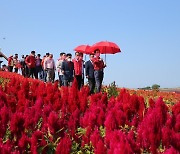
(71, 68)
(89, 70)
(65, 70)
(38, 68)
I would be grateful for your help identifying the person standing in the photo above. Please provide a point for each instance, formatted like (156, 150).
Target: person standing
(71, 68)
(65, 71)
(16, 63)
(10, 63)
(4, 68)
(22, 63)
(59, 68)
(26, 67)
(99, 66)
(49, 66)
(39, 71)
(89, 71)
(44, 71)
(78, 69)
(83, 66)
(31, 63)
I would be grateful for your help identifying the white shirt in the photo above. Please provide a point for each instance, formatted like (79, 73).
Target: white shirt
(59, 65)
(49, 63)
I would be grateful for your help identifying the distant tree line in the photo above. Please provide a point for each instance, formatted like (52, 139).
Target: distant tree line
(153, 87)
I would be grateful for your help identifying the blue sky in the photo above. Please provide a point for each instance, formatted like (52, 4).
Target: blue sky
(147, 31)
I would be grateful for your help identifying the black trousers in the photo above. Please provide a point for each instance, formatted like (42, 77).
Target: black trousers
(26, 71)
(91, 82)
(10, 68)
(23, 71)
(79, 80)
(32, 73)
(15, 70)
(98, 74)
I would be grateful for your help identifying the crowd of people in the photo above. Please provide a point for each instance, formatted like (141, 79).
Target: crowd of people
(67, 68)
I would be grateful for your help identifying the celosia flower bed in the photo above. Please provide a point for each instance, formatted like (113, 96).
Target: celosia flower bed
(170, 98)
(41, 118)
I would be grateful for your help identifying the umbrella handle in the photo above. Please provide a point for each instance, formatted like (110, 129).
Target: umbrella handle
(105, 58)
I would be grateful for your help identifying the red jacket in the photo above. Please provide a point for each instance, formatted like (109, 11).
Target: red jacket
(10, 61)
(77, 66)
(98, 64)
(30, 61)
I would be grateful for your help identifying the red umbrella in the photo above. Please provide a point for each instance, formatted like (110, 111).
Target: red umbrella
(82, 49)
(105, 47)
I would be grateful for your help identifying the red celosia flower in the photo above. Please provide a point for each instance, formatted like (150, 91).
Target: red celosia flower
(119, 116)
(23, 142)
(166, 137)
(141, 109)
(135, 121)
(94, 138)
(6, 148)
(83, 98)
(54, 122)
(35, 140)
(86, 137)
(133, 142)
(151, 103)
(149, 131)
(110, 122)
(2, 130)
(169, 122)
(3, 98)
(175, 140)
(64, 93)
(73, 101)
(100, 116)
(118, 143)
(161, 110)
(64, 146)
(73, 122)
(46, 111)
(176, 109)
(171, 151)
(88, 120)
(177, 124)
(17, 123)
(12, 103)
(4, 115)
(100, 148)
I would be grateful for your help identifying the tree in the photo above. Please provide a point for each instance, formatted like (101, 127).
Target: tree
(155, 87)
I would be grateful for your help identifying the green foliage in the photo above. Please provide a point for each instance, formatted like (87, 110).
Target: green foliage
(145, 88)
(39, 124)
(3, 82)
(81, 131)
(155, 87)
(87, 149)
(102, 131)
(111, 90)
(7, 134)
(77, 148)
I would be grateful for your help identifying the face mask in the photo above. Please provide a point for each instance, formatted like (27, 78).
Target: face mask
(68, 59)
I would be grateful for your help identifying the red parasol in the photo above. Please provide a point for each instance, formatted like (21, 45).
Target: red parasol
(82, 49)
(105, 47)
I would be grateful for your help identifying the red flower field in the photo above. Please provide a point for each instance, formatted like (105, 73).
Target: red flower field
(36, 117)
